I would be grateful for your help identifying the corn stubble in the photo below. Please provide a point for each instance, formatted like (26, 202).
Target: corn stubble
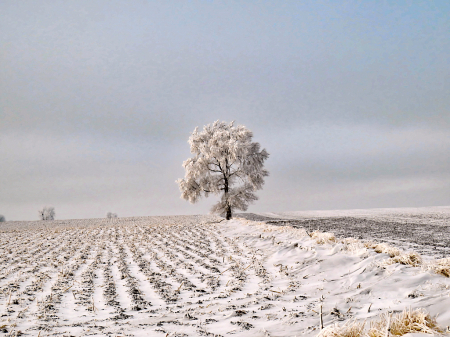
(110, 267)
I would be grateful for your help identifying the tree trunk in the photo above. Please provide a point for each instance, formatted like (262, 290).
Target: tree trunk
(228, 212)
(228, 207)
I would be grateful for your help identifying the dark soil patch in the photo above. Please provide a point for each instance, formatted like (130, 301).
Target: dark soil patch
(427, 239)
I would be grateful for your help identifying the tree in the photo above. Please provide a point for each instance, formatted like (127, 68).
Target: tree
(2, 218)
(110, 215)
(226, 162)
(47, 213)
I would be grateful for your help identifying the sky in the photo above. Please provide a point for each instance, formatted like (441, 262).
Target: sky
(98, 98)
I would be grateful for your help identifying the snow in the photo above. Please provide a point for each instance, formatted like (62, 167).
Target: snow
(246, 279)
(426, 215)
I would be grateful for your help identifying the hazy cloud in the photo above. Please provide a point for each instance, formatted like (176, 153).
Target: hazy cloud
(97, 100)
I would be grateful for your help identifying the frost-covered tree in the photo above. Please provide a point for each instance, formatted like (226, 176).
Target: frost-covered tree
(225, 162)
(47, 213)
(2, 218)
(110, 215)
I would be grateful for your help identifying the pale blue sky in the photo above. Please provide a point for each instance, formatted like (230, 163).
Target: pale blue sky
(97, 100)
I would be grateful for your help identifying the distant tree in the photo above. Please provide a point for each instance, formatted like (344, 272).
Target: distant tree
(110, 215)
(2, 218)
(226, 162)
(47, 213)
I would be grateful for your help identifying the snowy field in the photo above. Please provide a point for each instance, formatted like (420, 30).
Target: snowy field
(203, 276)
(425, 230)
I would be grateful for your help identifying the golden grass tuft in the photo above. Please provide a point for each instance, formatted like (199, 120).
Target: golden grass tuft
(350, 240)
(411, 258)
(323, 238)
(405, 322)
(441, 267)
(408, 321)
(370, 244)
(382, 248)
(352, 244)
(349, 329)
(385, 248)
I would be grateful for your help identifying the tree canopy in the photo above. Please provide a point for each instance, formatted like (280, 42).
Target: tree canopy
(225, 162)
(47, 213)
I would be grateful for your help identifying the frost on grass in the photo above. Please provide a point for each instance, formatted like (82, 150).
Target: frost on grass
(441, 266)
(409, 258)
(408, 321)
(383, 248)
(323, 238)
(350, 328)
(353, 245)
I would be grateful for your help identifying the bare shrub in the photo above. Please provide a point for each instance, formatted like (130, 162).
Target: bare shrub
(2, 218)
(110, 215)
(47, 213)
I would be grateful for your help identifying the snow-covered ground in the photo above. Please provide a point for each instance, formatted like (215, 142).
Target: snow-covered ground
(438, 215)
(425, 230)
(198, 276)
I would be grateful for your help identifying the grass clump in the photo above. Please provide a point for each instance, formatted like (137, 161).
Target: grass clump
(408, 321)
(323, 238)
(382, 248)
(349, 329)
(385, 248)
(397, 256)
(441, 267)
(411, 258)
(352, 244)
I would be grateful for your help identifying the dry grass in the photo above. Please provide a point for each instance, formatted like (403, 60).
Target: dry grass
(352, 244)
(406, 322)
(385, 248)
(323, 238)
(411, 258)
(349, 329)
(441, 267)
